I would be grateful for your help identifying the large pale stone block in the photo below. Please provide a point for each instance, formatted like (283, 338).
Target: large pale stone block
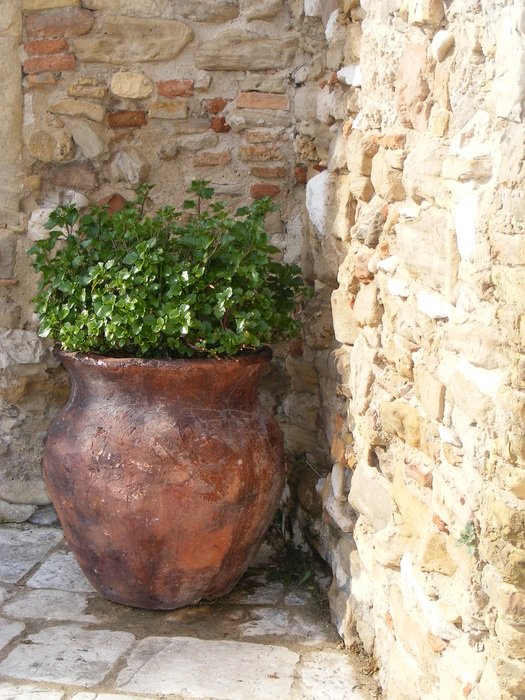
(391, 543)
(79, 108)
(240, 50)
(130, 165)
(11, 19)
(422, 171)
(428, 250)
(402, 420)
(68, 655)
(142, 8)
(51, 146)
(8, 243)
(37, 5)
(370, 495)
(133, 86)
(181, 665)
(442, 43)
(425, 11)
(364, 354)
(509, 81)
(433, 555)
(367, 309)
(123, 40)
(260, 9)
(411, 86)
(20, 347)
(206, 10)
(10, 117)
(22, 549)
(386, 179)
(327, 198)
(346, 328)
(430, 392)
(413, 502)
(91, 138)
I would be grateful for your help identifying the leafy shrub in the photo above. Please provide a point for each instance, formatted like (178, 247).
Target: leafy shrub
(195, 282)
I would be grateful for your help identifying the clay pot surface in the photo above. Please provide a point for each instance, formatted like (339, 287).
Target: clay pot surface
(164, 474)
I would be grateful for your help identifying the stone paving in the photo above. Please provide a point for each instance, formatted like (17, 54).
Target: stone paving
(59, 640)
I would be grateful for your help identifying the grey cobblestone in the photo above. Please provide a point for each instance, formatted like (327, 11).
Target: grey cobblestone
(59, 640)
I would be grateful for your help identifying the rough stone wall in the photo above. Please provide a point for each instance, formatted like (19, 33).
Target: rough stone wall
(419, 216)
(101, 96)
(390, 133)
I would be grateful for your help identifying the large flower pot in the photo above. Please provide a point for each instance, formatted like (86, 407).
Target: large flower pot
(164, 474)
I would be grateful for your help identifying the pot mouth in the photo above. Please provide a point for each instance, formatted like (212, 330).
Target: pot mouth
(261, 355)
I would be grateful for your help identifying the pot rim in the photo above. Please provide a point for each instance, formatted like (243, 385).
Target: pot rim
(261, 355)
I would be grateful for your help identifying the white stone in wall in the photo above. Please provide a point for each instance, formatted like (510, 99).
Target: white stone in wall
(416, 600)
(351, 75)
(344, 322)
(465, 214)
(19, 347)
(398, 287)
(337, 153)
(442, 43)
(306, 102)
(370, 495)
(488, 381)
(338, 478)
(509, 81)
(331, 26)
(449, 436)
(36, 230)
(90, 138)
(389, 264)
(313, 8)
(455, 496)
(130, 165)
(433, 305)
(326, 202)
(316, 198)
(519, 15)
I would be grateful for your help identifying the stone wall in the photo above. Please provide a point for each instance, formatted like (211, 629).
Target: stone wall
(390, 134)
(418, 217)
(104, 95)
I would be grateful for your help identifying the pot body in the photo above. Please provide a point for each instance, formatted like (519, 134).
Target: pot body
(164, 474)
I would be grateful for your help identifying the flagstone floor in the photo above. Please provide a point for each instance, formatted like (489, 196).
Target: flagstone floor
(59, 640)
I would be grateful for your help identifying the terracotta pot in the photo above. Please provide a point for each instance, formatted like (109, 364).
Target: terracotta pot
(164, 474)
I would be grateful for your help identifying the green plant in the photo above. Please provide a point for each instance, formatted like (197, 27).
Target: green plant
(196, 282)
(469, 537)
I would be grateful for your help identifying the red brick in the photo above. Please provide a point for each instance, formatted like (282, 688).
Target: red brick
(259, 152)
(175, 88)
(261, 136)
(37, 80)
(262, 100)
(262, 189)
(268, 173)
(218, 124)
(300, 174)
(114, 202)
(55, 23)
(126, 119)
(41, 47)
(214, 105)
(208, 158)
(52, 62)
